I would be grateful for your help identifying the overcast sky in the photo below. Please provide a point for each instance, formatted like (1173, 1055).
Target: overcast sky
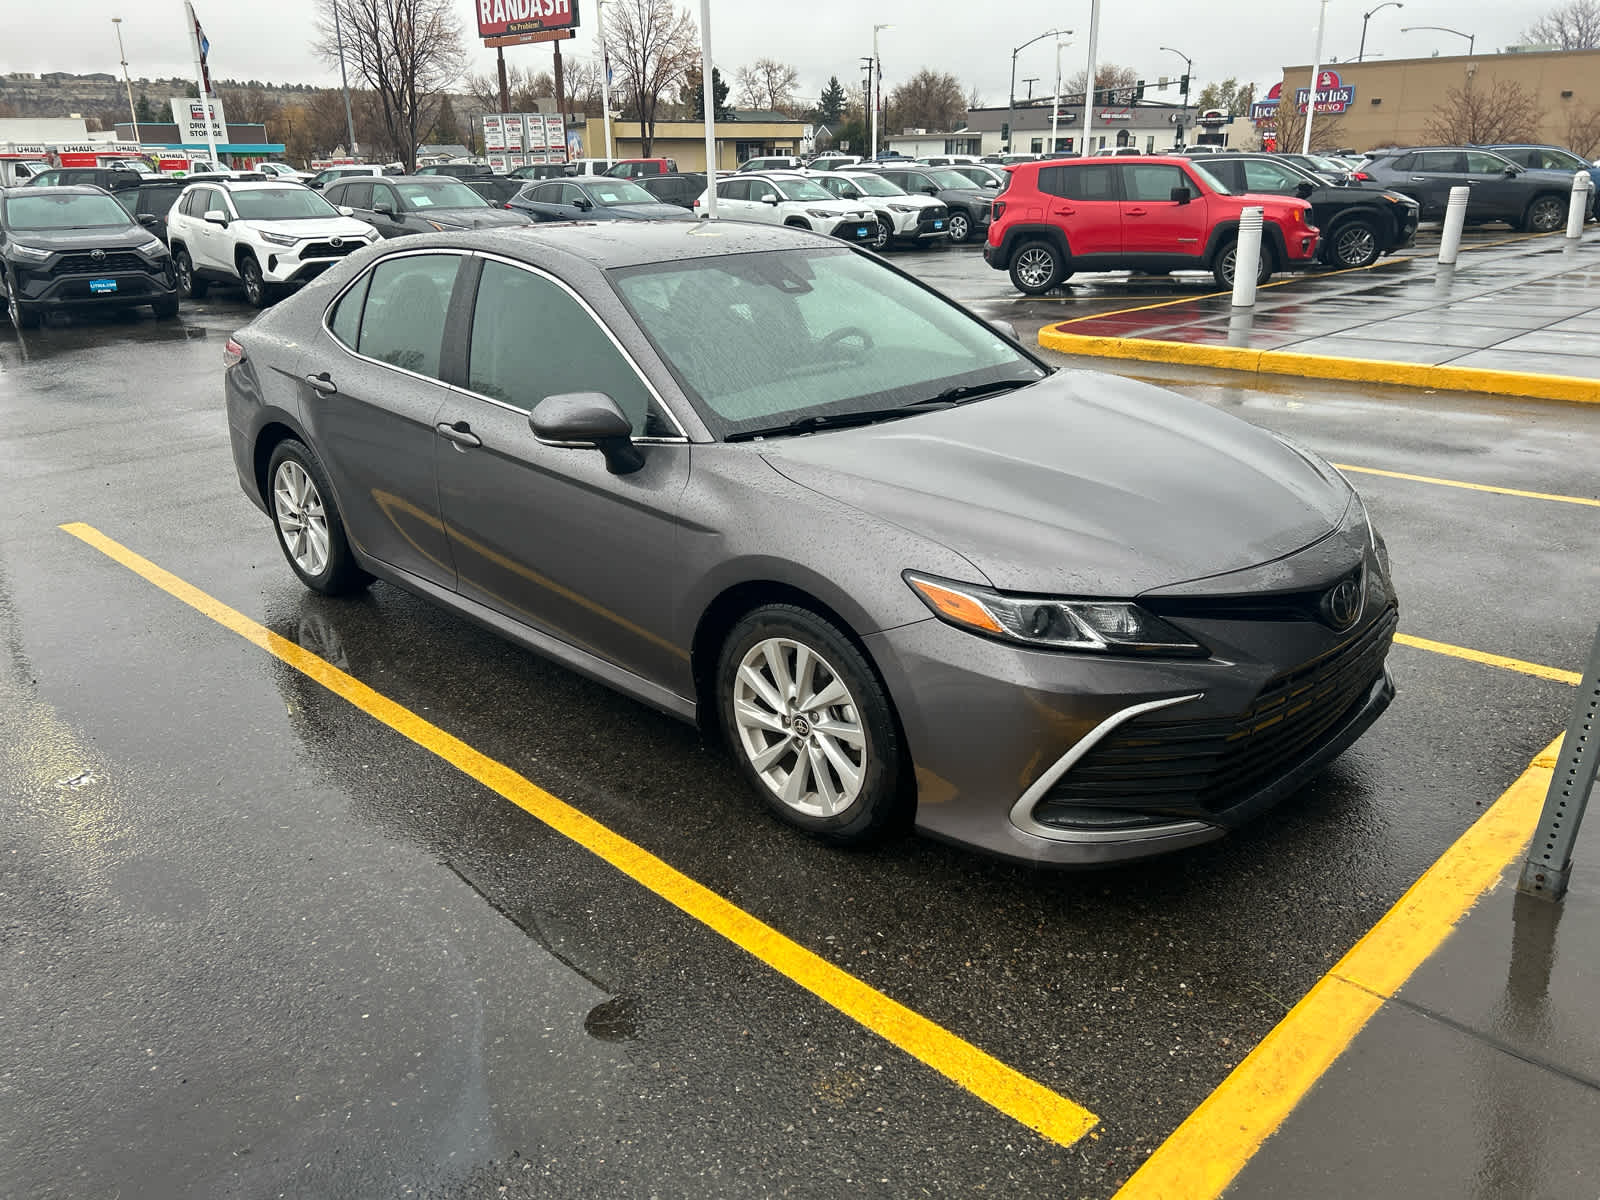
(1250, 39)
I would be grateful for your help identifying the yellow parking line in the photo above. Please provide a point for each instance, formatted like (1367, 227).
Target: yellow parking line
(1538, 670)
(1474, 487)
(1012, 1093)
(1211, 1147)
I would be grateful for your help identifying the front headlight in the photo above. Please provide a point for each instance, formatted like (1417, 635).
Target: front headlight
(443, 226)
(27, 254)
(152, 247)
(277, 239)
(1107, 626)
(903, 208)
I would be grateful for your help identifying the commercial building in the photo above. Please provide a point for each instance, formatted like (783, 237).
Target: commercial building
(243, 145)
(1392, 102)
(745, 135)
(1152, 126)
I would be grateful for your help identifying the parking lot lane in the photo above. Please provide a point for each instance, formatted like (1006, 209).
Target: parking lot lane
(1538, 670)
(1588, 501)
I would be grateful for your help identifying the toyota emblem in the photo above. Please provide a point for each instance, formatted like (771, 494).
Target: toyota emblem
(1344, 602)
(336, 241)
(97, 255)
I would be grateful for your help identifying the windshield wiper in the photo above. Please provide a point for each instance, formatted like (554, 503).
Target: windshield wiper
(948, 398)
(973, 391)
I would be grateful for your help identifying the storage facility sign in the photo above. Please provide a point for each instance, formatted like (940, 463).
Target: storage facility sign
(189, 115)
(507, 18)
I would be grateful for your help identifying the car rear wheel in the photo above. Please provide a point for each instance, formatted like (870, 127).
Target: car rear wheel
(1036, 268)
(308, 524)
(1355, 244)
(191, 286)
(1222, 268)
(810, 725)
(960, 226)
(1546, 214)
(256, 289)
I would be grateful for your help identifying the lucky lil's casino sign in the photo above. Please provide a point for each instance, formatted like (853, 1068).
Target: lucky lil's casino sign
(507, 18)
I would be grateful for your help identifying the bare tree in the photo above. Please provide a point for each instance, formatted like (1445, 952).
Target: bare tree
(1106, 75)
(249, 105)
(768, 85)
(523, 87)
(583, 86)
(1583, 130)
(974, 97)
(651, 46)
(407, 52)
(928, 100)
(1501, 110)
(1327, 131)
(1572, 26)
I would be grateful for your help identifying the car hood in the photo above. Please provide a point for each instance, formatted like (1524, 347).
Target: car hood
(313, 227)
(1083, 484)
(473, 218)
(104, 237)
(652, 212)
(972, 195)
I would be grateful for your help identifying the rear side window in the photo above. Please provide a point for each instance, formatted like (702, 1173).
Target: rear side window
(1079, 182)
(402, 321)
(1441, 162)
(1403, 162)
(1484, 164)
(530, 339)
(345, 320)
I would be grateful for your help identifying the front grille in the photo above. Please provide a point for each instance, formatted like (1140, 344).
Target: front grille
(329, 250)
(931, 214)
(1200, 768)
(84, 264)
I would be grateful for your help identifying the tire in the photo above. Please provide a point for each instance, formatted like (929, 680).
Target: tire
(885, 237)
(165, 308)
(190, 285)
(959, 226)
(841, 778)
(1356, 244)
(1222, 265)
(257, 290)
(22, 316)
(307, 522)
(1036, 267)
(1545, 215)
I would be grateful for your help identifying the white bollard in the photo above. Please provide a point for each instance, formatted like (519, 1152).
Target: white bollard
(1578, 206)
(1455, 219)
(1247, 257)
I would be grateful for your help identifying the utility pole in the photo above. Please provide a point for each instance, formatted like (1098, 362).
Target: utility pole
(344, 82)
(505, 93)
(877, 68)
(133, 115)
(1088, 89)
(561, 91)
(605, 73)
(1030, 81)
(867, 66)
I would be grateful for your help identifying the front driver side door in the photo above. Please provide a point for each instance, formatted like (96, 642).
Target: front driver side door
(388, 213)
(1154, 225)
(1496, 196)
(543, 534)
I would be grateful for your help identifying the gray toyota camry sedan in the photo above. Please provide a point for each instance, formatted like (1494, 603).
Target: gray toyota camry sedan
(764, 481)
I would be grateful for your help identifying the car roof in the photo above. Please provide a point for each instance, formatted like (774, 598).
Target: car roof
(251, 185)
(56, 189)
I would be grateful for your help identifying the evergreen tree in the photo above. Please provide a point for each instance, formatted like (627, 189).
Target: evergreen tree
(446, 129)
(694, 97)
(830, 109)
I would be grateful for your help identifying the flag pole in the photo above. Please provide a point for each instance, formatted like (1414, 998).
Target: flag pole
(203, 77)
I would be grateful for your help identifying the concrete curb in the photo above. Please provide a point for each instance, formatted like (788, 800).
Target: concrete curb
(1321, 366)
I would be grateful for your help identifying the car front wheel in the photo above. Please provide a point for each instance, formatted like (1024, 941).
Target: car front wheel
(1222, 269)
(810, 725)
(885, 233)
(960, 226)
(308, 524)
(1355, 244)
(1036, 268)
(256, 288)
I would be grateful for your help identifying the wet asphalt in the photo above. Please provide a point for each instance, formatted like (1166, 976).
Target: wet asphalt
(253, 943)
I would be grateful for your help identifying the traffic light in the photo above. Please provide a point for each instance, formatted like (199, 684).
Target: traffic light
(1183, 85)
(1138, 90)
(1005, 132)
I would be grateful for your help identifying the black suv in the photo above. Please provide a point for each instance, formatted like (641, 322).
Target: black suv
(457, 170)
(110, 178)
(1501, 191)
(969, 206)
(402, 204)
(76, 247)
(1360, 224)
(681, 190)
(150, 202)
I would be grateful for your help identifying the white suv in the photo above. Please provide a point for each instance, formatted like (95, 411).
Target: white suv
(902, 217)
(264, 236)
(791, 200)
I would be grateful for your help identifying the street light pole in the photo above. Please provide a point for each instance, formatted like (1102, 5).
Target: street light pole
(1011, 101)
(1316, 71)
(605, 74)
(1055, 100)
(133, 115)
(344, 82)
(1367, 16)
(709, 100)
(877, 72)
(1188, 73)
(1088, 84)
(1472, 38)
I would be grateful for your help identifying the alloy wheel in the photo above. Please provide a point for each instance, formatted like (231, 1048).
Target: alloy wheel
(254, 287)
(301, 516)
(800, 727)
(958, 227)
(1035, 266)
(881, 240)
(1356, 247)
(1547, 215)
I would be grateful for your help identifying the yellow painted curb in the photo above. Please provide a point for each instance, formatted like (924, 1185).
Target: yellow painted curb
(1324, 366)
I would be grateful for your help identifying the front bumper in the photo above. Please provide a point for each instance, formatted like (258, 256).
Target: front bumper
(126, 278)
(1075, 760)
(303, 261)
(856, 230)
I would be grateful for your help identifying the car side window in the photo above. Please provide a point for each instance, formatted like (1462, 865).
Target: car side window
(1484, 164)
(345, 319)
(1088, 183)
(1267, 177)
(1404, 162)
(1440, 162)
(734, 189)
(46, 178)
(1153, 183)
(1231, 173)
(355, 195)
(531, 339)
(572, 194)
(402, 321)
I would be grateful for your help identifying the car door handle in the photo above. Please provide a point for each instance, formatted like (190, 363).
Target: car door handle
(322, 383)
(1138, 212)
(1066, 212)
(458, 432)
(1419, 179)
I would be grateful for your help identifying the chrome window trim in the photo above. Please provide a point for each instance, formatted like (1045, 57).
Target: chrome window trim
(378, 362)
(1022, 810)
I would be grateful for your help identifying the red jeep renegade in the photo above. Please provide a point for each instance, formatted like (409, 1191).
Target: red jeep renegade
(1145, 214)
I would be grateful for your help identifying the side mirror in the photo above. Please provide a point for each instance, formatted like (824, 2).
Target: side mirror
(383, 208)
(1181, 195)
(770, 198)
(581, 204)
(991, 183)
(1511, 169)
(346, 211)
(315, 185)
(588, 420)
(216, 216)
(1304, 189)
(146, 219)
(930, 190)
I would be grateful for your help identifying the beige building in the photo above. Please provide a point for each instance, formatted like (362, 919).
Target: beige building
(1395, 99)
(685, 141)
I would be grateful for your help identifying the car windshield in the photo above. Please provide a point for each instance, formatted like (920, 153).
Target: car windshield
(876, 185)
(281, 204)
(802, 189)
(1210, 180)
(443, 194)
(64, 212)
(781, 335)
(613, 192)
(946, 178)
(1327, 164)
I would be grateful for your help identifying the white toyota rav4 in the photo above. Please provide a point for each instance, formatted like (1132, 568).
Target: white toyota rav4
(265, 236)
(791, 200)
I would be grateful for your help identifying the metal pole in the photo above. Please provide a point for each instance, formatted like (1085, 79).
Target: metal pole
(561, 90)
(1361, 53)
(1055, 100)
(1088, 87)
(133, 115)
(344, 82)
(877, 72)
(1546, 870)
(605, 72)
(505, 93)
(711, 109)
(205, 84)
(1011, 102)
(1316, 70)
(1455, 219)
